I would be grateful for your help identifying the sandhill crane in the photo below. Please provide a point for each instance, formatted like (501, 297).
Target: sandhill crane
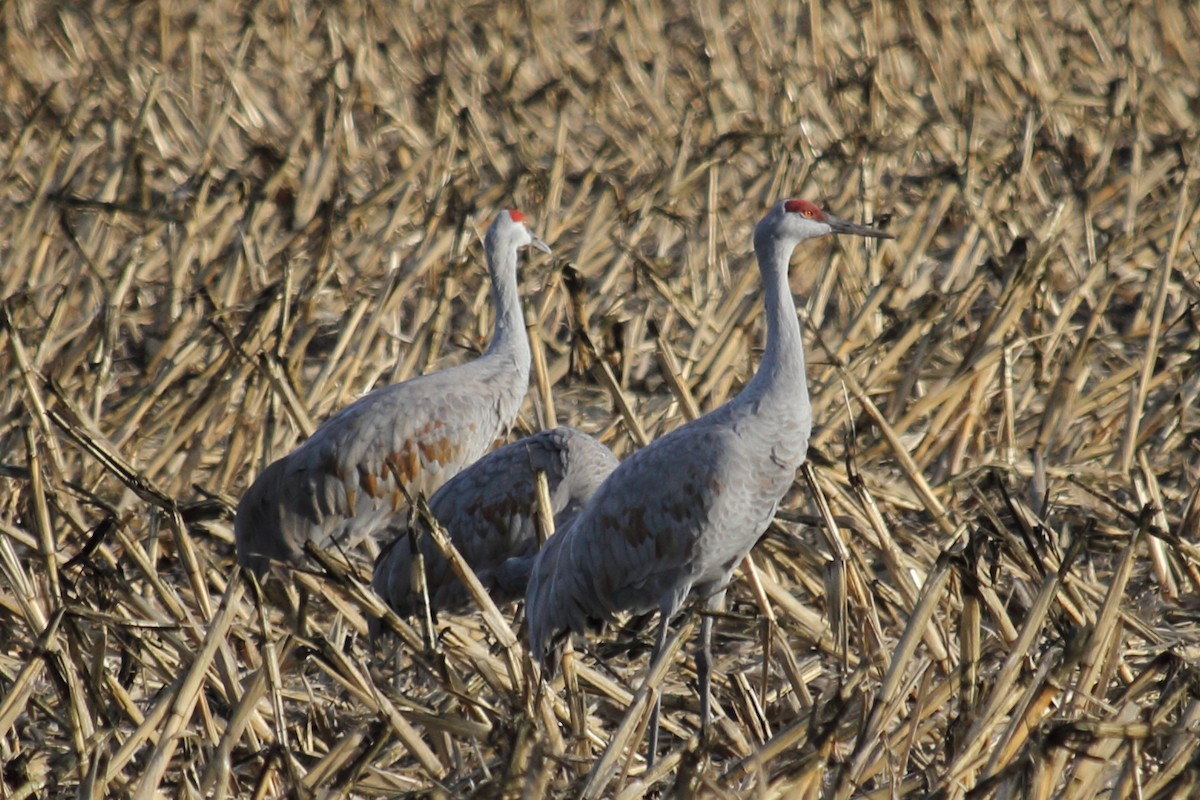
(489, 511)
(676, 517)
(343, 483)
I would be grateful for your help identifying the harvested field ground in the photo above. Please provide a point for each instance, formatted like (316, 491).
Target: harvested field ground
(224, 222)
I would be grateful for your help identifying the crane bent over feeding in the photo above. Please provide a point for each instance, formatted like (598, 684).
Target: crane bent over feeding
(675, 518)
(344, 482)
(489, 511)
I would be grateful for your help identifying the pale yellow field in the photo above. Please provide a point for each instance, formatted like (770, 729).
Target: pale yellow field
(223, 222)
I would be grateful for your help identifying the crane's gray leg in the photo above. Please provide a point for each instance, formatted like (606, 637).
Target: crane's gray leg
(704, 662)
(660, 641)
(704, 673)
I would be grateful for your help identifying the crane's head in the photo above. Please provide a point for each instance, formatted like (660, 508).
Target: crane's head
(509, 230)
(797, 220)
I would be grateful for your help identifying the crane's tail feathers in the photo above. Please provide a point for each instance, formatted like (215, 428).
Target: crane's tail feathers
(254, 563)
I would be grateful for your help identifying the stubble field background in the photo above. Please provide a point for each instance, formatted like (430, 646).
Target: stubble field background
(221, 222)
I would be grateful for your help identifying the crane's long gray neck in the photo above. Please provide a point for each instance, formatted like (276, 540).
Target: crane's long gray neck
(781, 372)
(509, 337)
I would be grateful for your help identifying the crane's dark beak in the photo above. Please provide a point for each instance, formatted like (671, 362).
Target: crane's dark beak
(838, 225)
(540, 245)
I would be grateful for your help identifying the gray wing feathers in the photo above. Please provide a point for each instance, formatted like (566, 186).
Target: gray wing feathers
(677, 515)
(634, 548)
(341, 483)
(489, 511)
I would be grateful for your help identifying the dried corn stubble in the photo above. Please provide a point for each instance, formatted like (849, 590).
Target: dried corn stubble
(224, 225)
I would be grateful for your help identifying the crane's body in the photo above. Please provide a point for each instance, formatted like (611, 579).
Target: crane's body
(705, 492)
(489, 511)
(344, 482)
(675, 518)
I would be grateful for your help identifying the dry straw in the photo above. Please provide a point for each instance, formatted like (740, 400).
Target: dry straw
(224, 222)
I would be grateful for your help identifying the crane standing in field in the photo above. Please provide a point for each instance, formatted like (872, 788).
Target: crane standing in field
(344, 482)
(676, 517)
(489, 511)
